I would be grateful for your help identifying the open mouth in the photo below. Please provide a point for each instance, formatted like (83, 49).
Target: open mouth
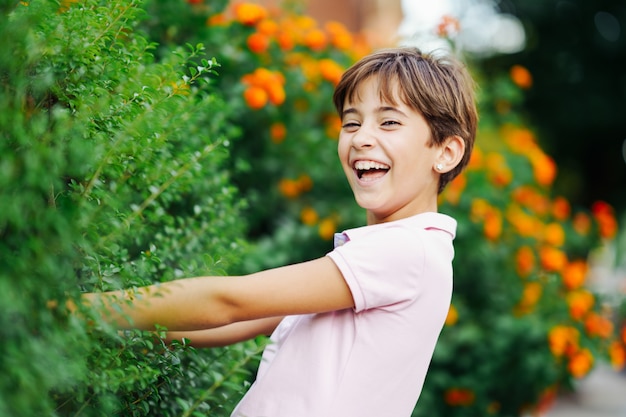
(370, 170)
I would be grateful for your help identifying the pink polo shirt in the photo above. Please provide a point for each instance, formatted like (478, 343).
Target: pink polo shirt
(369, 361)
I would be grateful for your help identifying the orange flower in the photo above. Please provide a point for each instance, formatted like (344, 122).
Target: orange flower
(563, 340)
(270, 82)
(308, 216)
(624, 334)
(315, 39)
(454, 189)
(617, 355)
(262, 77)
(330, 70)
(267, 27)
(305, 183)
(603, 213)
(327, 228)
(598, 325)
(530, 296)
(276, 93)
(448, 26)
(476, 159)
(292, 188)
(304, 22)
(335, 27)
(289, 188)
(499, 172)
(525, 261)
(553, 234)
(574, 274)
(521, 76)
(278, 132)
(218, 19)
(524, 195)
(493, 225)
(459, 397)
(255, 97)
(479, 209)
(552, 259)
(560, 208)
(580, 363)
(452, 317)
(286, 41)
(524, 224)
(340, 37)
(258, 42)
(502, 176)
(580, 302)
(544, 168)
(249, 14)
(520, 140)
(528, 196)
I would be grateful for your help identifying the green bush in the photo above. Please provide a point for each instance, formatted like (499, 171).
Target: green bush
(112, 174)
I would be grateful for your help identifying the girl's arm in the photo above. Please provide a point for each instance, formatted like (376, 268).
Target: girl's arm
(208, 302)
(227, 335)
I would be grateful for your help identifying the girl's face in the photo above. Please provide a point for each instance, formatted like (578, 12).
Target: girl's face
(385, 153)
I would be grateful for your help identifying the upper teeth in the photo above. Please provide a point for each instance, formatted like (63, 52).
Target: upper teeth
(364, 165)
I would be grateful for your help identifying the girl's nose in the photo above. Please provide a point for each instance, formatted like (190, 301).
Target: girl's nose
(364, 138)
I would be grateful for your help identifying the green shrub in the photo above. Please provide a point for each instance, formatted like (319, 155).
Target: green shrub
(112, 175)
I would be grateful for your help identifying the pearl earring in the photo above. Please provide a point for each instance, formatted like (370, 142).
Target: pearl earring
(439, 167)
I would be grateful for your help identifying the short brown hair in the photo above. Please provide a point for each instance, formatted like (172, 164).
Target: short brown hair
(440, 88)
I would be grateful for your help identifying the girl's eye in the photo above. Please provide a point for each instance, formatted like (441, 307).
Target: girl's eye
(390, 123)
(350, 125)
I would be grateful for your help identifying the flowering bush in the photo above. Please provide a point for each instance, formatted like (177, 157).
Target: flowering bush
(123, 153)
(523, 324)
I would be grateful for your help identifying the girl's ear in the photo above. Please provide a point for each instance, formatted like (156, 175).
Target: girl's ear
(451, 153)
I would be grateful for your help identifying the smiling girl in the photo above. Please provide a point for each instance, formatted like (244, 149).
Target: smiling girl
(353, 332)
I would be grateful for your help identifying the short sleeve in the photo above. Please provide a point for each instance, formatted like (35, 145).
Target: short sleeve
(382, 268)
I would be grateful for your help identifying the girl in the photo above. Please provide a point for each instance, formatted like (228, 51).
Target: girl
(353, 332)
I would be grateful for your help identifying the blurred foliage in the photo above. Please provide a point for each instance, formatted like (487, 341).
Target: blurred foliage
(576, 52)
(130, 133)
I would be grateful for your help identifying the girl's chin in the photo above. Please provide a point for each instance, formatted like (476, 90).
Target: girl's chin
(373, 207)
